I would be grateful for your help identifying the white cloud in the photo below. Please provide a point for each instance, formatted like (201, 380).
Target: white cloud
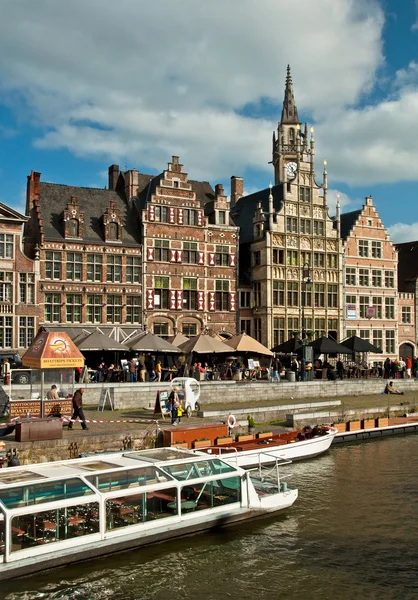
(346, 203)
(402, 232)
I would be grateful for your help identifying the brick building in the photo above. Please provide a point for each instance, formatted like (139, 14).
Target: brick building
(19, 310)
(371, 280)
(408, 294)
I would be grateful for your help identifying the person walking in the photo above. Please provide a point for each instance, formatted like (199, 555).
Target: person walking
(78, 409)
(132, 370)
(5, 371)
(141, 368)
(158, 370)
(274, 373)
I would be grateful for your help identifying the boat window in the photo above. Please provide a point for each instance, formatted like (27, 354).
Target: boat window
(35, 529)
(140, 508)
(160, 454)
(2, 539)
(121, 480)
(210, 494)
(197, 470)
(39, 493)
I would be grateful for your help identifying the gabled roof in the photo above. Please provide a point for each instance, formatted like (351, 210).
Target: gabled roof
(243, 211)
(9, 214)
(348, 220)
(407, 266)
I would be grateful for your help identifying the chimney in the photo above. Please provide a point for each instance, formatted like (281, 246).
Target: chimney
(113, 176)
(33, 189)
(131, 183)
(237, 189)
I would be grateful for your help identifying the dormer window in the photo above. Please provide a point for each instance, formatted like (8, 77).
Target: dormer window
(72, 228)
(176, 183)
(113, 231)
(222, 217)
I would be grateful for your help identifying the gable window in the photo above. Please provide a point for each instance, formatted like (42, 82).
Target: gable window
(113, 231)
(161, 292)
(161, 214)
(53, 265)
(350, 276)
(222, 255)
(94, 267)
(363, 248)
(6, 245)
(161, 250)
(72, 228)
(376, 249)
(74, 262)
(114, 268)
(222, 217)
(189, 216)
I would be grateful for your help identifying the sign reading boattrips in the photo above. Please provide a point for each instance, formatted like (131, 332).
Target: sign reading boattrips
(53, 350)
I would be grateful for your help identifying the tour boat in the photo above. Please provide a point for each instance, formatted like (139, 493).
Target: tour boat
(56, 513)
(289, 445)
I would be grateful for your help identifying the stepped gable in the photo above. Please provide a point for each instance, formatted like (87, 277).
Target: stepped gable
(94, 202)
(243, 211)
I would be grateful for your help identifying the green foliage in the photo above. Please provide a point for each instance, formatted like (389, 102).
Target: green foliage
(251, 422)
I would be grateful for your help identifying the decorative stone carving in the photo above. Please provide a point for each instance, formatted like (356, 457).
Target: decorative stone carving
(305, 244)
(292, 242)
(318, 213)
(305, 211)
(278, 240)
(319, 244)
(291, 209)
(331, 245)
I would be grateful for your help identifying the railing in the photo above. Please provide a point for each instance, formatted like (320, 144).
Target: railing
(265, 474)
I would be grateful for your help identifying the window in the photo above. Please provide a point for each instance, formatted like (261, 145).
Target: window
(257, 258)
(364, 303)
(74, 262)
(278, 331)
(350, 300)
(26, 331)
(307, 292)
(113, 231)
(389, 308)
(257, 294)
(94, 308)
(319, 327)
(133, 271)
(222, 294)
(305, 258)
(133, 309)
(94, 267)
(278, 257)
(319, 259)
(378, 338)
(53, 265)
(222, 255)
(189, 293)
(291, 224)
(161, 250)
(6, 288)
(190, 252)
(350, 276)
(304, 194)
(369, 223)
(363, 277)
(389, 279)
(292, 326)
(305, 226)
(176, 183)
(291, 257)
(292, 293)
(376, 249)
(114, 308)
(406, 314)
(73, 308)
(332, 261)
(376, 278)
(72, 228)
(114, 268)
(189, 329)
(161, 329)
(390, 341)
(245, 299)
(52, 308)
(189, 217)
(363, 247)
(221, 217)
(318, 227)
(377, 304)
(319, 295)
(332, 295)
(257, 329)
(161, 292)
(6, 245)
(245, 326)
(332, 324)
(6, 332)
(351, 332)
(365, 334)
(161, 214)
(278, 293)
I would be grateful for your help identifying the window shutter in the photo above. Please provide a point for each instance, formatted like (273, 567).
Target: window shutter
(200, 258)
(179, 299)
(150, 253)
(172, 300)
(173, 256)
(200, 217)
(180, 216)
(232, 301)
(200, 301)
(151, 212)
(212, 302)
(150, 299)
(211, 259)
(179, 256)
(232, 260)
(171, 215)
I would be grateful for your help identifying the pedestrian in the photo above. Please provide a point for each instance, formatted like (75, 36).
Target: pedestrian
(386, 368)
(52, 394)
(5, 371)
(132, 370)
(408, 367)
(274, 375)
(174, 402)
(141, 368)
(78, 409)
(158, 370)
(151, 368)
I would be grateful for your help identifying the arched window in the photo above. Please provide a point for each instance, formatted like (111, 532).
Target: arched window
(72, 228)
(113, 231)
(291, 136)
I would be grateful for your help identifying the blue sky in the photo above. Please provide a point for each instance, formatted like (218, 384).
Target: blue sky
(83, 85)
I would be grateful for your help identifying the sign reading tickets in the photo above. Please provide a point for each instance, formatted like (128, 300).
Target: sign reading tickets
(53, 350)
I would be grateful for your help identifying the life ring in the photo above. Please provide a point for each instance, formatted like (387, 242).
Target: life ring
(231, 421)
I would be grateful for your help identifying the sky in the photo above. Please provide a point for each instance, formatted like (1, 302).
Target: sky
(88, 83)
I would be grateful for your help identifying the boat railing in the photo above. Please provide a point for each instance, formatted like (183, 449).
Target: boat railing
(269, 476)
(208, 450)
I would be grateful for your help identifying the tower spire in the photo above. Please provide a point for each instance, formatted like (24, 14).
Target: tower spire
(289, 112)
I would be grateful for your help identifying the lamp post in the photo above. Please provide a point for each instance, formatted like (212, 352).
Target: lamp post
(306, 280)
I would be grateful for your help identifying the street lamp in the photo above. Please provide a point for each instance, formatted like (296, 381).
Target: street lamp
(306, 280)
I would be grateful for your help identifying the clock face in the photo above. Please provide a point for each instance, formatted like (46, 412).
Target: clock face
(291, 168)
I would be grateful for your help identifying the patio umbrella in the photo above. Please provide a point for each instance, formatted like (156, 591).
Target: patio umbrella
(245, 343)
(324, 345)
(356, 344)
(149, 342)
(289, 347)
(204, 344)
(100, 341)
(177, 339)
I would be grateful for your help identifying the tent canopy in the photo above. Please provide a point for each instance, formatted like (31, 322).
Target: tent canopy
(149, 342)
(324, 345)
(288, 347)
(100, 341)
(177, 339)
(53, 350)
(357, 344)
(246, 343)
(204, 344)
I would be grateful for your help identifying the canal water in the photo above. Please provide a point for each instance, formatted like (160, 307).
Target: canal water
(353, 533)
